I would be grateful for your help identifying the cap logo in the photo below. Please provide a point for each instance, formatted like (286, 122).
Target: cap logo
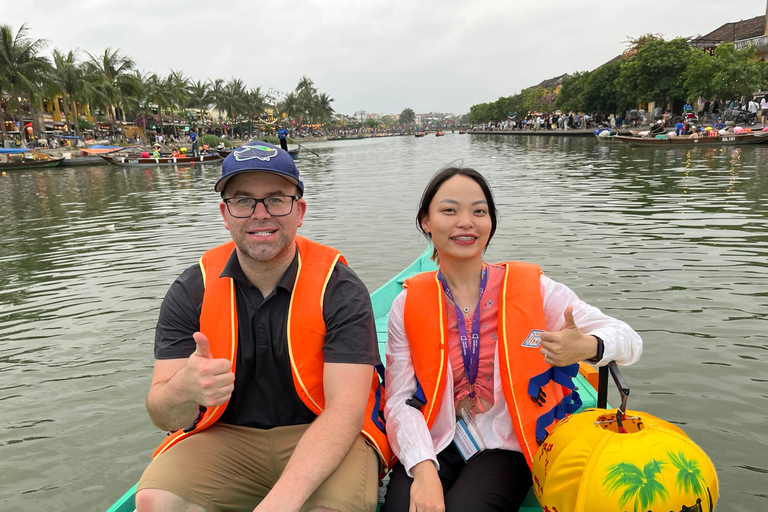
(533, 339)
(263, 153)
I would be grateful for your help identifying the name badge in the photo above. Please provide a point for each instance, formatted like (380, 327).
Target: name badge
(467, 437)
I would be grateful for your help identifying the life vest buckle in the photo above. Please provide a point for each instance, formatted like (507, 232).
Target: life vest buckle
(193, 426)
(416, 402)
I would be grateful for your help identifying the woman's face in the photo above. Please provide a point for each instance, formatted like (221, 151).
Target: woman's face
(458, 219)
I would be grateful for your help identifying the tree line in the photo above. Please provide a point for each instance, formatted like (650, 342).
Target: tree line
(651, 70)
(116, 90)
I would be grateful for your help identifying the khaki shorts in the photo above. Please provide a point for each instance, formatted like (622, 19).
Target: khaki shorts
(227, 467)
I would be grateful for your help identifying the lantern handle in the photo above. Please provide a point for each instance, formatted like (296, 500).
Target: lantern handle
(602, 386)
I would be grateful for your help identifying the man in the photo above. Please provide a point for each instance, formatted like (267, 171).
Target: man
(265, 356)
(679, 128)
(658, 128)
(753, 107)
(282, 134)
(194, 140)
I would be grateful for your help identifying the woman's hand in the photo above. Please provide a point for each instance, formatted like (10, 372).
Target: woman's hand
(569, 345)
(426, 490)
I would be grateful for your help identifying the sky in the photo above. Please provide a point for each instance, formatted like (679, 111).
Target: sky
(371, 55)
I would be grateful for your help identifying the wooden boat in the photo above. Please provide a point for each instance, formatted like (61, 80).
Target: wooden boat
(608, 139)
(223, 153)
(419, 134)
(137, 161)
(79, 161)
(439, 133)
(294, 153)
(730, 139)
(15, 160)
(381, 300)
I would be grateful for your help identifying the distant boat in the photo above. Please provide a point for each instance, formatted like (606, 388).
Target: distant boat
(79, 161)
(439, 133)
(419, 134)
(462, 132)
(39, 160)
(294, 153)
(137, 161)
(608, 139)
(25, 163)
(728, 139)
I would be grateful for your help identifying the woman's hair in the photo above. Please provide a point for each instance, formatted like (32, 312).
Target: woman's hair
(434, 185)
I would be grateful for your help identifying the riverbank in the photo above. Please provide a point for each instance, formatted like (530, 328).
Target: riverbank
(543, 133)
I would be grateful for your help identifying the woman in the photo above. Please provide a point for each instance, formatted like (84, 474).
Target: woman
(448, 396)
(764, 111)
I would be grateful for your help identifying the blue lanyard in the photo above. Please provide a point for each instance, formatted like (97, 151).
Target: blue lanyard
(470, 353)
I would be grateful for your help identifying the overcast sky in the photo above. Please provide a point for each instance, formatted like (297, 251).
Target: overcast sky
(373, 55)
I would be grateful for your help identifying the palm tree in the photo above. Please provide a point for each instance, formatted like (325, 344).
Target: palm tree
(110, 71)
(176, 84)
(306, 86)
(637, 484)
(158, 94)
(256, 105)
(200, 97)
(305, 97)
(21, 66)
(289, 106)
(323, 108)
(70, 79)
(235, 99)
(689, 477)
(141, 94)
(217, 95)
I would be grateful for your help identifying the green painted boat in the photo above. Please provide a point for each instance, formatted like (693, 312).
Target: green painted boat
(15, 165)
(382, 301)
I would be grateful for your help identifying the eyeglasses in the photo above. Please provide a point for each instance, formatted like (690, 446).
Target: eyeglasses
(276, 206)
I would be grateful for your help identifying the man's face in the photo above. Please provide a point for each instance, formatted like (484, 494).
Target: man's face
(262, 237)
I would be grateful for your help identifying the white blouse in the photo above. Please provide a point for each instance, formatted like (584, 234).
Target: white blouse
(407, 430)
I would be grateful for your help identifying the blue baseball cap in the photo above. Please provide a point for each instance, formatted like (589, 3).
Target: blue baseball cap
(259, 156)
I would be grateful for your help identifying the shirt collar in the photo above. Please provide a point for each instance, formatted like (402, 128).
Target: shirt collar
(233, 270)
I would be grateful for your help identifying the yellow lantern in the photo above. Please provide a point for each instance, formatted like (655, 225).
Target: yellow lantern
(589, 463)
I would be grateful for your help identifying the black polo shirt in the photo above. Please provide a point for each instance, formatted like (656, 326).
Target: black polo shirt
(264, 395)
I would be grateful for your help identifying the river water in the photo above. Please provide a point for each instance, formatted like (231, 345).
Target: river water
(672, 241)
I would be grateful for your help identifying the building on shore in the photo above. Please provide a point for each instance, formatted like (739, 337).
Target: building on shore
(743, 34)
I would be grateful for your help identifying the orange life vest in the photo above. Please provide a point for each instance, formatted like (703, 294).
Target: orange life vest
(306, 337)
(523, 370)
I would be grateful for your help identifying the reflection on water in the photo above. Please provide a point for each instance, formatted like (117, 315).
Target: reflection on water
(673, 241)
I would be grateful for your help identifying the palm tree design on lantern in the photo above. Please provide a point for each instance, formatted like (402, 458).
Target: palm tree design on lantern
(636, 484)
(689, 477)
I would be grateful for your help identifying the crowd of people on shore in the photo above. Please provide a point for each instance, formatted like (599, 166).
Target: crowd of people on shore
(537, 121)
(748, 111)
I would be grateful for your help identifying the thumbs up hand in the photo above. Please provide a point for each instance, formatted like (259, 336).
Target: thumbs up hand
(207, 381)
(569, 345)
